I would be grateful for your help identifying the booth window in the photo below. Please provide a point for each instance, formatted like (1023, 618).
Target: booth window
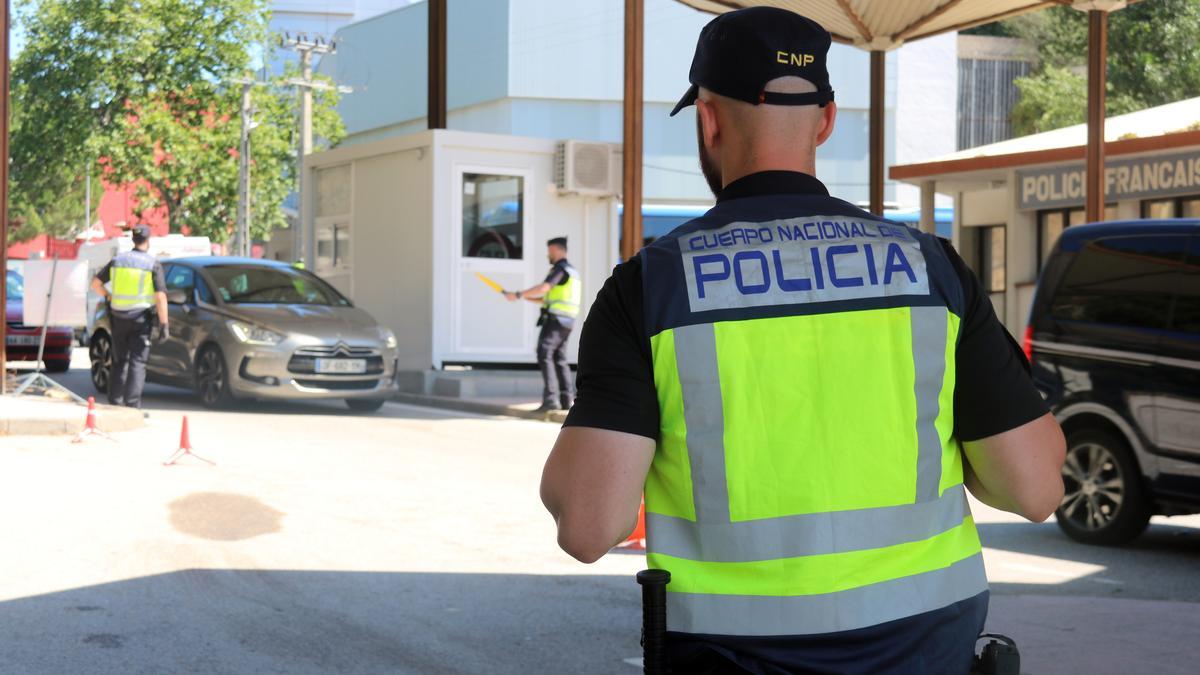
(1123, 281)
(493, 217)
(1051, 224)
(333, 245)
(1179, 207)
(992, 262)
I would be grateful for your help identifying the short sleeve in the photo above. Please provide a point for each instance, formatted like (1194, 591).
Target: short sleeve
(105, 273)
(557, 275)
(160, 280)
(615, 383)
(993, 391)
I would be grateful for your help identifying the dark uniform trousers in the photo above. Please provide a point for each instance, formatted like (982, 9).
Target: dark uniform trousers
(558, 389)
(131, 347)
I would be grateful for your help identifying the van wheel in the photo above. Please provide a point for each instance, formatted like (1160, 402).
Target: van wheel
(1104, 500)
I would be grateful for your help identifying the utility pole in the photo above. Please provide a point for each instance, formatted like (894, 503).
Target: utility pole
(242, 233)
(87, 198)
(303, 237)
(4, 35)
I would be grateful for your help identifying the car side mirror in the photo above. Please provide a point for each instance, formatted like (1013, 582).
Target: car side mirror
(177, 297)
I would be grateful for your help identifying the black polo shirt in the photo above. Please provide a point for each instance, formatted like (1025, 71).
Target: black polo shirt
(993, 394)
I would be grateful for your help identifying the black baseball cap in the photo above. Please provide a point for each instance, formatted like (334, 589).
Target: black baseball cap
(739, 52)
(140, 233)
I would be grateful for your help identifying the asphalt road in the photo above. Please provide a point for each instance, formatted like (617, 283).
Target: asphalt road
(412, 540)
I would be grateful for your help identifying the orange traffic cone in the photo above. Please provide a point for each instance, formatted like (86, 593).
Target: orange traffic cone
(89, 427)
(185, 447)
(637, 539)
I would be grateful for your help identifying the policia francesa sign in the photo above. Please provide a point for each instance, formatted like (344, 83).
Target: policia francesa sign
(1139, 178)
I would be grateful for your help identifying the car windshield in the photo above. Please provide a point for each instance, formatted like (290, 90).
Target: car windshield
(262, 285)
(14, 288)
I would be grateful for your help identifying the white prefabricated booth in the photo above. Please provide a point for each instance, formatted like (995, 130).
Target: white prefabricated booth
(404, 225)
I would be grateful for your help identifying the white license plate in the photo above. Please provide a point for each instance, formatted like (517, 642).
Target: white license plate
(21, 340)
(342, 366)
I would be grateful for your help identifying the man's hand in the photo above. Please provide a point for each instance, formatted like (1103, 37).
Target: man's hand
(161, 332)
(512, 297)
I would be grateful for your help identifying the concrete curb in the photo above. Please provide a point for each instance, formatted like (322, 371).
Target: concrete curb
(41, 417)
(479, 407)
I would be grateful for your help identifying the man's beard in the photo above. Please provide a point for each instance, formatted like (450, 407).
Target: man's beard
(711, 173)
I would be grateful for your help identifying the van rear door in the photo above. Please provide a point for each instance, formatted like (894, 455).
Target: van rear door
(1177, 418)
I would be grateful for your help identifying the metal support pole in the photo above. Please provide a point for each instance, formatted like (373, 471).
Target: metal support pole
(1097, 75)
(631, 191)
(4, 35)
(928, 206)
(876, 132)
(437, 64)
(304, 234)
(242, 231)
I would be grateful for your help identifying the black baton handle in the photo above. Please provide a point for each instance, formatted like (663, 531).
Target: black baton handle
(654, 620)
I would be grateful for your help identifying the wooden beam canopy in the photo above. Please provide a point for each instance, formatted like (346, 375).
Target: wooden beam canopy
(631, 188)
(436, 116)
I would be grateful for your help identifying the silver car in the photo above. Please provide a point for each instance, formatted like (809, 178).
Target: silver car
(248, 328)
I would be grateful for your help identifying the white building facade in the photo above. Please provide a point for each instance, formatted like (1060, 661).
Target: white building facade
(554, 69)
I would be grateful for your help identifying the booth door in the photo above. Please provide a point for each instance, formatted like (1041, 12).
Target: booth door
(492, 243)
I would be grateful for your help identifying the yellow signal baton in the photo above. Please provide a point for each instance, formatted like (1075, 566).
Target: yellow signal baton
(495, 286)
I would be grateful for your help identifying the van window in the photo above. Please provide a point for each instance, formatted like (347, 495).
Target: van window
(1124, 281)
(1186, 315)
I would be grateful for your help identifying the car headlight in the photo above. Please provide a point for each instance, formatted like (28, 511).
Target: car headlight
(253, 335)
(388, 337)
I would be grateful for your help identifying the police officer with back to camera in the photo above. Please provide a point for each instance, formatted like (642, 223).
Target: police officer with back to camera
(138, 287)
(805, 393)
(560, 296)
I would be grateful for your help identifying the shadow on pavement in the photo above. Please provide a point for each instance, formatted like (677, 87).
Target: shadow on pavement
(1158, 565)
(167, 398)
(336, 621)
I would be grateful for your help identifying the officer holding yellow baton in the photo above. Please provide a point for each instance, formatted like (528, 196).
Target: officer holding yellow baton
(560, 295)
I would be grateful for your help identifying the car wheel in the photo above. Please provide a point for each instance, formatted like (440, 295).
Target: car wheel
(365, 404)
(1104, 499)
(100, 354)
(60, 366)
(212, 379)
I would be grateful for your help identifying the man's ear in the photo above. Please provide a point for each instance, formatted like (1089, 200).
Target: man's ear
(710, 129)
(828, 117)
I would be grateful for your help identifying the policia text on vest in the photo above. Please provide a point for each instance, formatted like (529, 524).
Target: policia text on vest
(810, 260)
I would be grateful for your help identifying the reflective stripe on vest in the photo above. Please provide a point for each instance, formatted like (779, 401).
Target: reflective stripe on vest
(565, 299)
(132, 282)
(806, 479)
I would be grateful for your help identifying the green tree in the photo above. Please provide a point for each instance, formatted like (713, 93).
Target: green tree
(145, 90)
(1152, 60)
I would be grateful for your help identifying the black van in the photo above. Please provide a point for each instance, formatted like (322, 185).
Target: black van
(1114, 339)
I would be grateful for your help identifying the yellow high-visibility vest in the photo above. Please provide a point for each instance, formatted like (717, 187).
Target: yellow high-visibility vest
(132, 276)
(806, 478)
(565, 299)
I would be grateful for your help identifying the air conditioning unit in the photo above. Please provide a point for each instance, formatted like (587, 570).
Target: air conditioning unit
(585, 168)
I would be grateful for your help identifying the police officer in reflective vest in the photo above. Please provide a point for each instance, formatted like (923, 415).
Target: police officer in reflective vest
(560, 296)
(137, 288)
(805, 393)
